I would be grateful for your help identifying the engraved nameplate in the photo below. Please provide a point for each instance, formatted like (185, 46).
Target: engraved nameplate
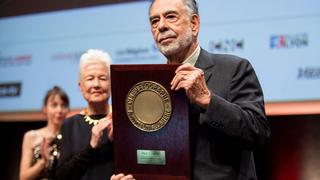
(151, 157)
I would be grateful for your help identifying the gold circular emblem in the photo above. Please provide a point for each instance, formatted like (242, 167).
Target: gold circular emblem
(148, 106)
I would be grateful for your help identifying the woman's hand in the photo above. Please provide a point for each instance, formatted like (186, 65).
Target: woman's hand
(97, 131)
(45, 150)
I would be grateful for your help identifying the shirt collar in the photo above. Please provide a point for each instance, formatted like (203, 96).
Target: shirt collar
(192, 59)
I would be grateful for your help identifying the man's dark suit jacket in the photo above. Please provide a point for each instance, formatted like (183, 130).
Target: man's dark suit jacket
(233, 126)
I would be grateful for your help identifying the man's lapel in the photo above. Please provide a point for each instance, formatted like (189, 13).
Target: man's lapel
(204, 62)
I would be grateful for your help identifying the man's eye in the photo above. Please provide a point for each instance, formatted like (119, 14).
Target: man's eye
(171, 18)
(154, 22)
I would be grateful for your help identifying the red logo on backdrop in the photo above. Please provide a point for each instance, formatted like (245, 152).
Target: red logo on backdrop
(289, 41)
(18, 60)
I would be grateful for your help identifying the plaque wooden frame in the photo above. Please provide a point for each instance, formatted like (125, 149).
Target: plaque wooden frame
(173, 138)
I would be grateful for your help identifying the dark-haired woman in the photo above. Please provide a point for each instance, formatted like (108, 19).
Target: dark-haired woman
(40, 147)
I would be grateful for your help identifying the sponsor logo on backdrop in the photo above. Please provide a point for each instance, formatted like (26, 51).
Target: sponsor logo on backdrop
(18, 60)
(10, 89)
(136, 54)
(226, 45)
(309, 73)
(67, 56)
(282, 41)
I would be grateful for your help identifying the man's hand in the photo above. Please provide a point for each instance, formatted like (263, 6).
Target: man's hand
(192, 80)
(122, 177)
(97, 131)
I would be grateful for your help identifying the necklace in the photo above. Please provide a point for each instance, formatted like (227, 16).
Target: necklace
(90, 121)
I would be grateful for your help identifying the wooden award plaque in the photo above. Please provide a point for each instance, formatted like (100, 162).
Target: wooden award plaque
(150, 123)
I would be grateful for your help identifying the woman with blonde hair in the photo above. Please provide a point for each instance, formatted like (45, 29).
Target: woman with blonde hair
(87, 148)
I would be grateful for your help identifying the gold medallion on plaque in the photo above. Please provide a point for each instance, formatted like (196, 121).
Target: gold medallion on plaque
(148, 106)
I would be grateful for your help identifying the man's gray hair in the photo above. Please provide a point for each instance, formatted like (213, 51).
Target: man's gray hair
(95, 55)
(191, 6)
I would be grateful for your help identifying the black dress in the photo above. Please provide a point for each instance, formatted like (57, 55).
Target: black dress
(49, 172)
(78, 160)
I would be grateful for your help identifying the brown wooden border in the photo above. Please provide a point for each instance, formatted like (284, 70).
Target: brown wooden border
(28, 116)
(272, 109)
(293, 108)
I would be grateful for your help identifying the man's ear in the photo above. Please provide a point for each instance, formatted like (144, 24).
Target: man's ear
(195, 22)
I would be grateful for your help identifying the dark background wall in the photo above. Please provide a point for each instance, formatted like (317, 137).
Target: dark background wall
(293, 152)
(18, 7)
(11, 135)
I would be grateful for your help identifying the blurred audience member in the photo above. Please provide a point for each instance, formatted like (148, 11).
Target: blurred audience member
(40, 148)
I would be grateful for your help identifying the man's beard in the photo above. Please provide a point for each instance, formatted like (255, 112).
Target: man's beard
(178, 45)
